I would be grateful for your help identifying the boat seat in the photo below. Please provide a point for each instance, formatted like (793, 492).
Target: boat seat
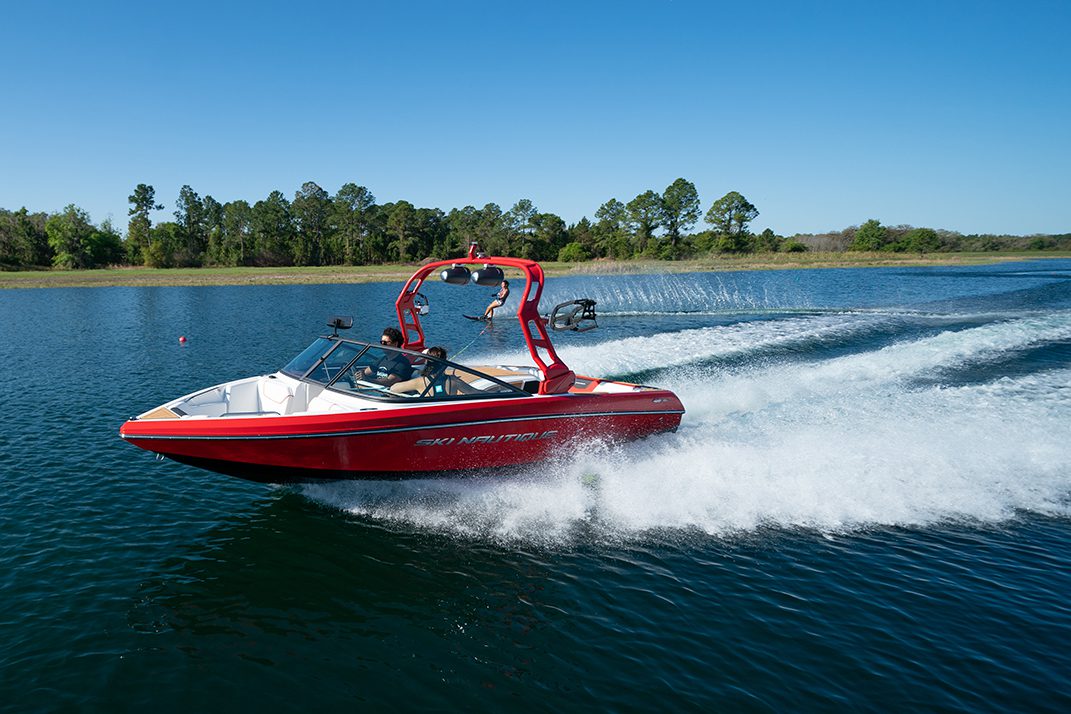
(456, 386)
(275, 396)
(300, 402)
(242, 397)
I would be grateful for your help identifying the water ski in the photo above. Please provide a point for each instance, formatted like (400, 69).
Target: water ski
(481, 318)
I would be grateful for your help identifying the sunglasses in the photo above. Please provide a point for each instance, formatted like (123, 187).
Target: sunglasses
(385, 342)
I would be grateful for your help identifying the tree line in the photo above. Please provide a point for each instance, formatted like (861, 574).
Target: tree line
(352, 228)
(872, 236)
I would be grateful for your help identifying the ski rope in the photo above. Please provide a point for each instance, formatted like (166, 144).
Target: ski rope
(472, 341)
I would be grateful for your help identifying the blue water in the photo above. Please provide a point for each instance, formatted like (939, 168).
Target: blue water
(867, 507)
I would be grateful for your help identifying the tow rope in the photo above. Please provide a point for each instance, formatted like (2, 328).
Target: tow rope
(472, 341)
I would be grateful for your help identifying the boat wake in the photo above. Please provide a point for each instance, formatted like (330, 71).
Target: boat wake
(879, 437)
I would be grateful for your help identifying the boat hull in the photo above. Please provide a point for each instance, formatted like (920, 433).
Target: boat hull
(409, 442)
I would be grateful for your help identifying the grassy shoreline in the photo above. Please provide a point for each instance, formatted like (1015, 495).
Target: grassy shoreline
(145, 277)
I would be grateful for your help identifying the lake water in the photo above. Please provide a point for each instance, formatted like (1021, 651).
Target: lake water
(867, 507)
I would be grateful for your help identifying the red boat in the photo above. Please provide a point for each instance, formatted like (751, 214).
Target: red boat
(326, 416)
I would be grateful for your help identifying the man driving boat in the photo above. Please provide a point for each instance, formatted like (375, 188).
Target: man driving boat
(393, 367)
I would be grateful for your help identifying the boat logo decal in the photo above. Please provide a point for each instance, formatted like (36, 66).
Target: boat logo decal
(487, 439)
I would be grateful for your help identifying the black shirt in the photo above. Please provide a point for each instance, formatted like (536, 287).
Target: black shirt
(395, 364)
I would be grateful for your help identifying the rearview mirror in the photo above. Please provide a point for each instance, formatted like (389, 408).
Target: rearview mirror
(340, 322)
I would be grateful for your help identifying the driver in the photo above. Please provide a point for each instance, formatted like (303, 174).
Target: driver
(393, 367)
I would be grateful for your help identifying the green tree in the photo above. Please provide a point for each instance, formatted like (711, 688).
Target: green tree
(919, 240)
(1041, 243)
(546, 239)
(23, 239)
(486, 226)
(213, 227)
(730, 216)
(768, 241)
(9, 253)
(273, 230)
(733, 243)
(462, 226)
(645, 216)
(193, 231)
(69, 235)
(352, 209)
(611, 230)
(401, 224)
(431, 233)
(519, 226)
(573, 253)
(311, 211)
(105, 245)
(237, 231)
(583, 233)
(379, 238)
(680, 208)
(142, 203)
(165, 241)
(870, 236)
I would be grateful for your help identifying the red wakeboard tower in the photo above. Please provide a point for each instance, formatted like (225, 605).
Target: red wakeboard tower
(557, 377)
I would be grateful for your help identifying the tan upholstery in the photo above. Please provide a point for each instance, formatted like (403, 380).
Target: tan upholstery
(160, 413)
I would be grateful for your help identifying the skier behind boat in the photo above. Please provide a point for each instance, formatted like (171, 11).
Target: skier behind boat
(499, 300)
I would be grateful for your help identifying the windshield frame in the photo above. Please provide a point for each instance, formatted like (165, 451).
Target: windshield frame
(509, 391)
(334, 343)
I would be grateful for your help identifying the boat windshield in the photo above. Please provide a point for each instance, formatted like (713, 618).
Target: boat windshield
(325, 359)
(312, 354)
(389, 373)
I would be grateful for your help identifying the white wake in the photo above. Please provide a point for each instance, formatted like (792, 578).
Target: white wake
(836, 444)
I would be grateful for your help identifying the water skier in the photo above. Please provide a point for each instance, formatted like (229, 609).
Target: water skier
(499, 300)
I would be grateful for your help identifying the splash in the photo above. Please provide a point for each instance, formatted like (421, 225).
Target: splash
(834, 444)
(866, 375)
(675, 349)
(667, 293)
(748, 339)
(845, 459)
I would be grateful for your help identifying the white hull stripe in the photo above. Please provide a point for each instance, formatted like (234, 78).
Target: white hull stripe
(363, 432)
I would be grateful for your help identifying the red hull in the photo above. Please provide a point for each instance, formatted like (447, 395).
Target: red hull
(408, 441)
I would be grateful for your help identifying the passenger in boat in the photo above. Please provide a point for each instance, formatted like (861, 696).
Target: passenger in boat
(431, 374)
(393, 367)
(499, 301)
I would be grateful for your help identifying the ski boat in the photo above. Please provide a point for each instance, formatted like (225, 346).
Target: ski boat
(326, 416)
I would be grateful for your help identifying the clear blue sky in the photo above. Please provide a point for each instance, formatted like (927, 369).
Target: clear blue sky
(944, 114)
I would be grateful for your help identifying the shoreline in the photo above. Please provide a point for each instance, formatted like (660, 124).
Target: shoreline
(398, 272)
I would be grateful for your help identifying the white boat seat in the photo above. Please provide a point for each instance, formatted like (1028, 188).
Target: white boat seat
(275, 396)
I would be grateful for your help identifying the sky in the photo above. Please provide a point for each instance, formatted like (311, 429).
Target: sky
(953, 115)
